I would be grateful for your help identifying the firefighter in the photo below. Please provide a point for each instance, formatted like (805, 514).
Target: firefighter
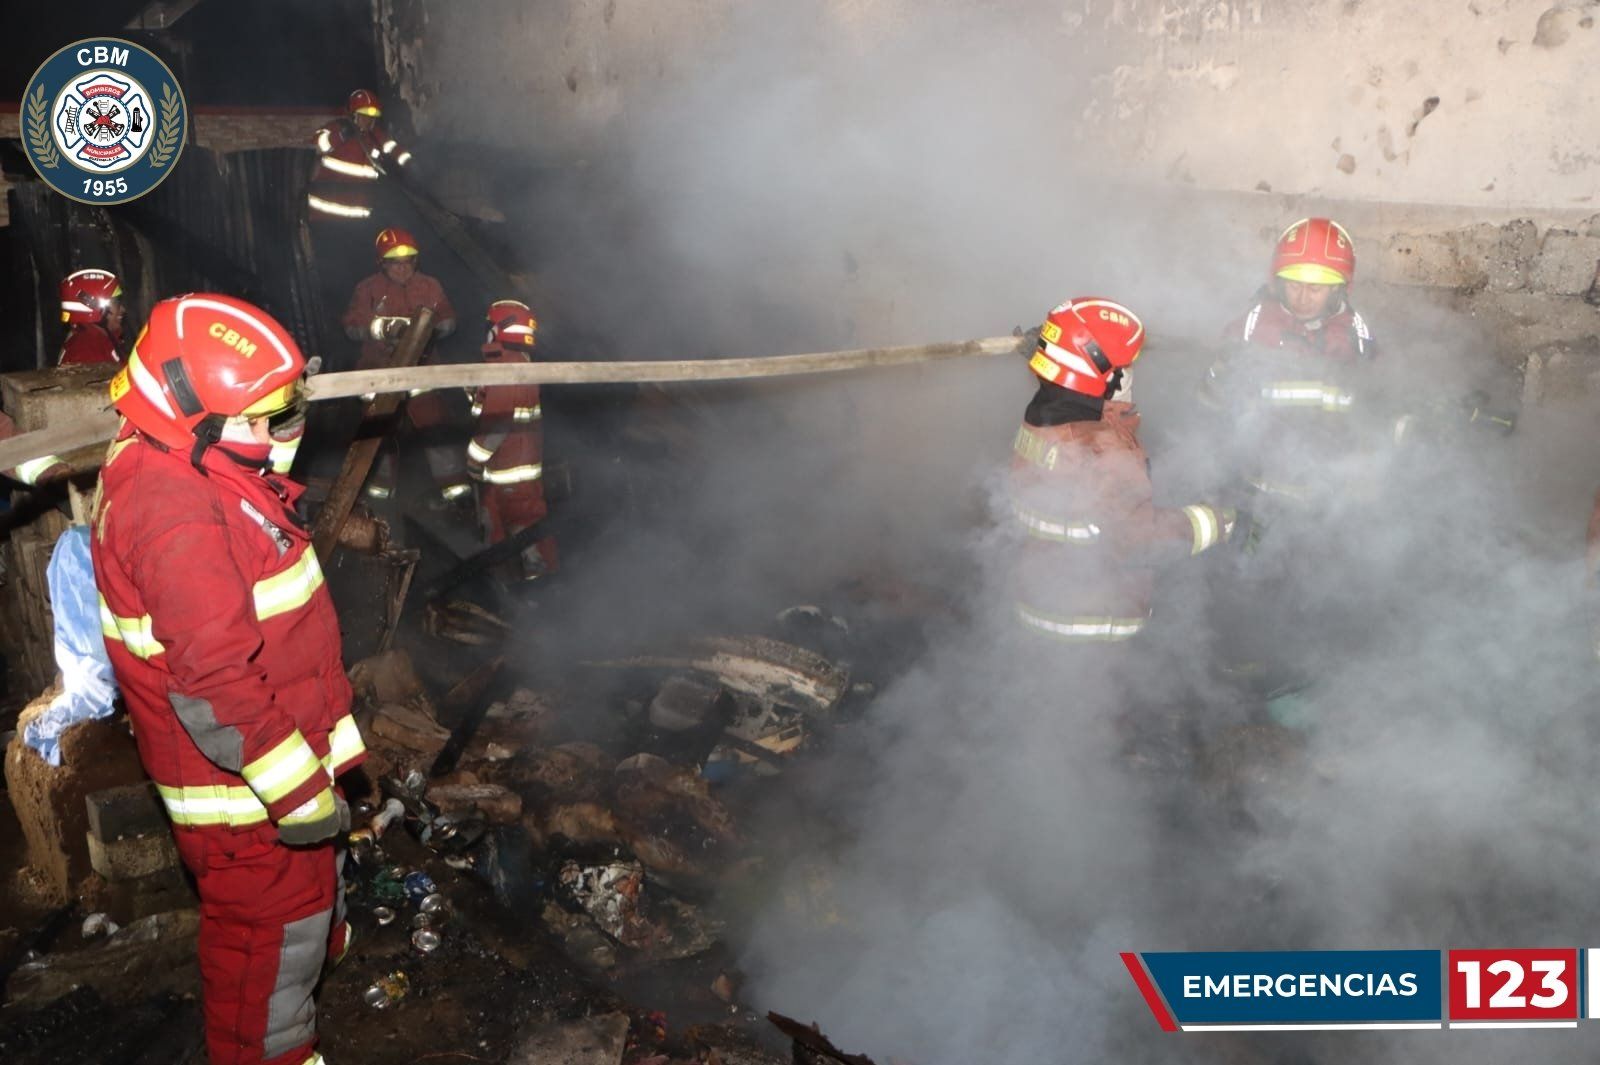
(1304, 307)
(381, 310)
(91, 306)
(1297, 374)
(506, 454)
(225, 643)
(353, 152)
(1080, 486)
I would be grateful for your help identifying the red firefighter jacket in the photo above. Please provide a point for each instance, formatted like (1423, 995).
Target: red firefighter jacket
(1294, 401)
(1081, 495)
(376, 296)
(222, 636)
(87, 344)
(1342, 336)
(347, 163)
(507, 444)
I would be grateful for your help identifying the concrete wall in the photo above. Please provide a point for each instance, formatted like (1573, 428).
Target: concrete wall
(1468, 102)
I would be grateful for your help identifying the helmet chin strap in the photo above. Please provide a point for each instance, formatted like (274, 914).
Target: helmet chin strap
(206, 434)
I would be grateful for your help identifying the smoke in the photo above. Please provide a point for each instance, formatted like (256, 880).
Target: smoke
(1408, 767)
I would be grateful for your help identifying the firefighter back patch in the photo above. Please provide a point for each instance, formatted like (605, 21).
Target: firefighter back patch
(103, 121)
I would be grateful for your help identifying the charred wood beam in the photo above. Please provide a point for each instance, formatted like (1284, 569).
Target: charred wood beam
(397, 380)
(472, 694)
(358, 461)
(811, 1046)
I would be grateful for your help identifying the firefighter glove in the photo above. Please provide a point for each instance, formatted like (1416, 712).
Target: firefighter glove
(321, 817)
(1242, 530)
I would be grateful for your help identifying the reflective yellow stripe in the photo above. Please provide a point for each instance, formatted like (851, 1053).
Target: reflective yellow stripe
(28, 472)
(355, 170)
(1034, 448)
(1082, 628)
(212, 804)
(117, 447)
(477, 453)
(1045, 528)
(282, 769)
(283, 592)
(344, 744)
(133, 633)
(514, 475)
(341, 210)
(315, 808)
(1307, 394)
(1207, 528)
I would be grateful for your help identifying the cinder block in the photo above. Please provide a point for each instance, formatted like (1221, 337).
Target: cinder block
(1566, 263)
(134, 857)
(1439, 260)
(133, 810)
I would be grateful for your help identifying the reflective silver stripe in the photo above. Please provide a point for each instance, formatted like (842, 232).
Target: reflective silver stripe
(1307, 394)
(378, 491)
(478, 453)
(1034, 448)
(1250, 321)
(344, 744)
(135, 634)
(402, 159)
(389, 145)
(514, 475)
(477, 409)
(528, 414)
(28, 472)
(1075, 532)
(212, 804)
(324, 141)
(342, 210)
(289, 590)
(455, 491)
(1207, 529)
(1083, 628)
(356, 170)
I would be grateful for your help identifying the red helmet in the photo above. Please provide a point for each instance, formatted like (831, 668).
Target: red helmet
(201, 359)
(86, 295)
(396, 243)
(365, 102)
(511, 325)
(1317, 251)
(1084, 342)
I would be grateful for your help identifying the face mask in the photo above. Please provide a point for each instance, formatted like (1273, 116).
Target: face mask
(287, 429)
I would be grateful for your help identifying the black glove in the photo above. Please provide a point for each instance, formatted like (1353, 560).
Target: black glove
(319, 818)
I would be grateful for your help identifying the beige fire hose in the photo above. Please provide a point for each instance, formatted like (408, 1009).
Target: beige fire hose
(57, 440)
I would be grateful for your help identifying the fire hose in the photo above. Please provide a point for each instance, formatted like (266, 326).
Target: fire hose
(101, 427)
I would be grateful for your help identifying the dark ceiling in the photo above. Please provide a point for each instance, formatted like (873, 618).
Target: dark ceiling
(258, 53)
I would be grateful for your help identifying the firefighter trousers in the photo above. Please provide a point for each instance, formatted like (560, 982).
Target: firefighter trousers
(270, 917)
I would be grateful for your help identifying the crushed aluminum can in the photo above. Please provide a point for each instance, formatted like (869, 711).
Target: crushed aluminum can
(422, 920)
(434, 903)
(420, 885)
(387, 990)
(98, 924)
(426, 940)
(416, 783)
(383, 914)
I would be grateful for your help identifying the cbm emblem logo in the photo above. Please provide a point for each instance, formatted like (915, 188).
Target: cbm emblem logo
(103, 121)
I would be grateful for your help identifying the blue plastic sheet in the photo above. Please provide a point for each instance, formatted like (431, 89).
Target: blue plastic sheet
(88, 688)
